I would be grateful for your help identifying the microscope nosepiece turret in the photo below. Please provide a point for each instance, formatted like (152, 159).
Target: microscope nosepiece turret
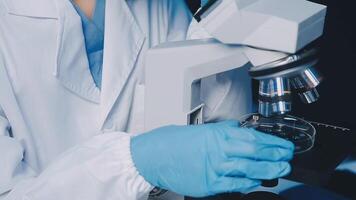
(278, 79)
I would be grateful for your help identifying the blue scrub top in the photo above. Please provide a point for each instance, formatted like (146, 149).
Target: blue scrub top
(93, 30)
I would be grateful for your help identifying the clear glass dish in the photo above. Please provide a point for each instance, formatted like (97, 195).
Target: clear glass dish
(291, 128)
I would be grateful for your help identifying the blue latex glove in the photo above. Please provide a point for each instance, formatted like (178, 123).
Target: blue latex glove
(204, 160)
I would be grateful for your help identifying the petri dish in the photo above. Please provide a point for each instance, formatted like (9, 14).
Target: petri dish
(291, 128)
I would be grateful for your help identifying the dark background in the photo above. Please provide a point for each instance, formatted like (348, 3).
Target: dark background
(337, 65)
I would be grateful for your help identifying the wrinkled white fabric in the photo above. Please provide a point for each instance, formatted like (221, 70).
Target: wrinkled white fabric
(98, 169)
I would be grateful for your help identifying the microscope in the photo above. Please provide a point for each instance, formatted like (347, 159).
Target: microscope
(273, 39)
(270, 36)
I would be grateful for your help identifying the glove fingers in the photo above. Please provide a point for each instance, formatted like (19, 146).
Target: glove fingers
(233, 184)
(255, 151)
(261, 170)
(252, 135)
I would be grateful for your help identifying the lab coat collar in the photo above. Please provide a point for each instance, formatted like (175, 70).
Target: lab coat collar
(123, 42)
(71, 65)
(32, 8)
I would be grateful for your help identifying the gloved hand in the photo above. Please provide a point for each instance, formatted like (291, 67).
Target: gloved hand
(204, 160)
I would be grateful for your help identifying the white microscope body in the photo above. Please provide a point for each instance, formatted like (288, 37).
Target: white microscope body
(245, 33)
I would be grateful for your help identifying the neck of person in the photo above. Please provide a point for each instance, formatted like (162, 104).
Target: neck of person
(87, 6)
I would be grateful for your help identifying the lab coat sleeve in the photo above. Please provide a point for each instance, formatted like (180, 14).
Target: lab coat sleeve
(12, 167)
(101, 168)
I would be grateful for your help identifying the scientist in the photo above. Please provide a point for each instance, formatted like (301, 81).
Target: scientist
(71, 91)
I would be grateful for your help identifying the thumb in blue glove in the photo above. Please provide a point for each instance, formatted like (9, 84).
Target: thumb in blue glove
(204, 160)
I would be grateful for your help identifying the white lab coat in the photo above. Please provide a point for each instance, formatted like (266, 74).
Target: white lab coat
(60, 136)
